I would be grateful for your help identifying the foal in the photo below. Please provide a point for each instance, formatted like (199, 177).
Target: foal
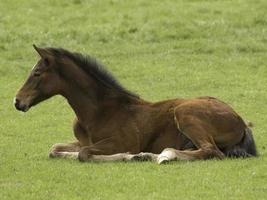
(113, 123)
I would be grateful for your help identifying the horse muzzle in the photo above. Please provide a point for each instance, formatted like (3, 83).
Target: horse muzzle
(20, 106)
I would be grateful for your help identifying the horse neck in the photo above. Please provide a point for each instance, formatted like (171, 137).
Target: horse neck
(88, 97)
(87, 102)
(79, 90)
(88, 105)
(83, 104)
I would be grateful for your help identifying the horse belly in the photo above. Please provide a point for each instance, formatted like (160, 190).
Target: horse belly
(169, 138)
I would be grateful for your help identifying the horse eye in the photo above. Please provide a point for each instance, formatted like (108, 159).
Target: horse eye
(46, 61)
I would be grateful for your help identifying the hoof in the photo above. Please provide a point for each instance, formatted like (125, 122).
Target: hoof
(52, 154)
(82, 157)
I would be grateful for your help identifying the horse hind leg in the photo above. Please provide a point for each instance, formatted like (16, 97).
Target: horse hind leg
(170, 154)
(199, 133)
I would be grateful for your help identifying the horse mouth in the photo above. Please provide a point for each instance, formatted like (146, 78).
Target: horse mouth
(24, 109)
(21, 107)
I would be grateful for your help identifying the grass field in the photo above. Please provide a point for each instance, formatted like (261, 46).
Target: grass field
(158, 49)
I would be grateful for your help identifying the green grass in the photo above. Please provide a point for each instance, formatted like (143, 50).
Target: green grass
(158, 49)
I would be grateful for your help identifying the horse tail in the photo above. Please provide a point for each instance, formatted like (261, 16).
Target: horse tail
(245, 148)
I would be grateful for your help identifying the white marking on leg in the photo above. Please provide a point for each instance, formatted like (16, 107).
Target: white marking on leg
(166, 155)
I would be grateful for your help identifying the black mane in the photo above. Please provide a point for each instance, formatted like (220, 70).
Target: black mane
(93, 68)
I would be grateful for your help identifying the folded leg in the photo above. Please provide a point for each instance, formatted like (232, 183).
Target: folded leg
(68, 150)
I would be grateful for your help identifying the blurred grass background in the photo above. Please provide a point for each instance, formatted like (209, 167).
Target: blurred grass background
(158, 49)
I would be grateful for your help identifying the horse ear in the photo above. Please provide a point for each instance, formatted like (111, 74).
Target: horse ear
(41, 51)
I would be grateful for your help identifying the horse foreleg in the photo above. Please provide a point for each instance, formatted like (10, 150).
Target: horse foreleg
(72, 150)
(68, 150)
(121, 157)
(145, 156)
(110, 158)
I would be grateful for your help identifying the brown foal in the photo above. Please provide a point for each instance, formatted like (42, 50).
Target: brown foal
(114, 124)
